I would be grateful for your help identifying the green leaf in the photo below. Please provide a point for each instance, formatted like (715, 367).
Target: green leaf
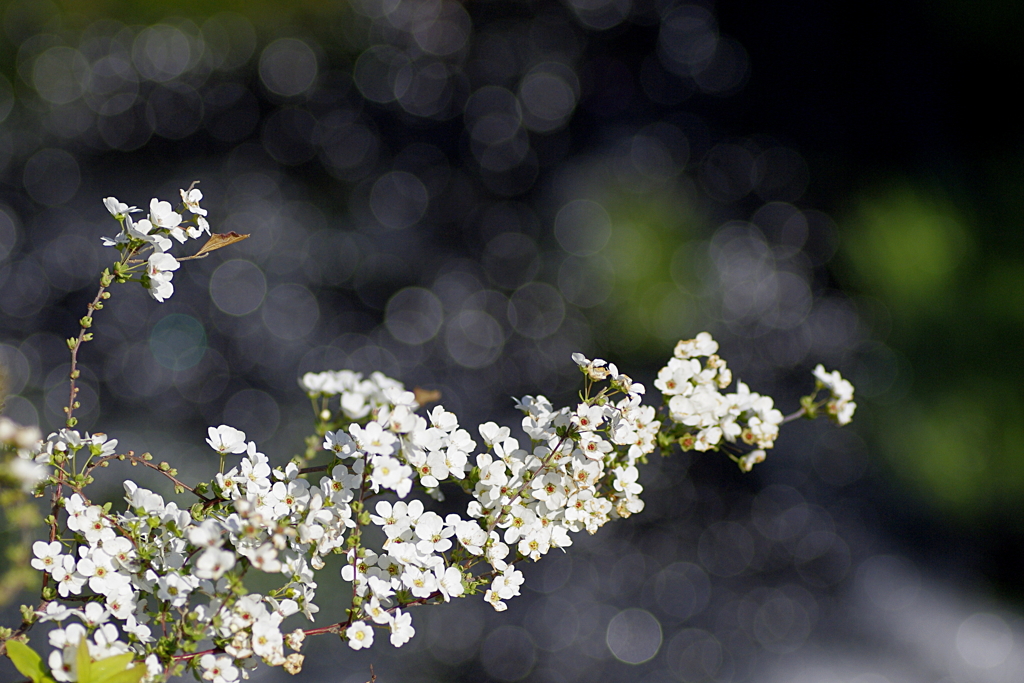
(108, 670)
(104, 668)
(118, 674)
(84, 662)
(133, 675)
(28, 662)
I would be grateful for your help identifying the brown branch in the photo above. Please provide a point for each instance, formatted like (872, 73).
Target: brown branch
(177, 482)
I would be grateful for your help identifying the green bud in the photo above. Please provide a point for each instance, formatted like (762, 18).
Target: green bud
(72, 343)
(810, 410)
(86, 321)
(28, 615)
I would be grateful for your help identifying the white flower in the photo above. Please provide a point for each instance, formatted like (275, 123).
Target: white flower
(144, 230)
(295, 638)
(492, 433)
(267, 641)
(68, 580)
(202, 225)
(359, 636)
(174, 588)
(118, 209)
(218, 669)
(495, 601)
(190, 198)
(703, 345)
(47, 555)
(401, 628)
(339, 442)
(162, 215)
(376, 612)
(449, 582)
(596, 369)
(389, 473)
(588, 418)
(225, 439)
(373, 439)
(159, 269)
(213, 563)
(56, 612)
(748, 461)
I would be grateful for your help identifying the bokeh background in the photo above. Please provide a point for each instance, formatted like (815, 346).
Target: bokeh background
(463, 194)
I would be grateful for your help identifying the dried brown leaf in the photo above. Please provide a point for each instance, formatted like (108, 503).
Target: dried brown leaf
(215, 242)
(426, 396)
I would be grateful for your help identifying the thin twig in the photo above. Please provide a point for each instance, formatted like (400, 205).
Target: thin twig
(74, 356)
(793, 416)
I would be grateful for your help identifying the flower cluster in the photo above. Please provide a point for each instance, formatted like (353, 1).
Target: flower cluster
(156, 563)
(152, 232)
(839, 405)
(358, 396)
(704, 418)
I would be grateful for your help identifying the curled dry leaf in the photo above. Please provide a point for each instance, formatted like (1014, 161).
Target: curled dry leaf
(215, 242)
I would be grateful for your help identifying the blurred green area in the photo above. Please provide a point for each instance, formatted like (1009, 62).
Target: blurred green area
(651, 304)
(946, 259)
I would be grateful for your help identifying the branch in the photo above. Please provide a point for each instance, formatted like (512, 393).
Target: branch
(130, 456)
(793, 416)
(85, 324)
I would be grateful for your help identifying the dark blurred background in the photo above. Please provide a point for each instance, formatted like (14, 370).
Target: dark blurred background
(462, 195)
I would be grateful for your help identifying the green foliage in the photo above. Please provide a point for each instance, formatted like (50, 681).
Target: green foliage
(905, 246)
(952, 279)
(28, 662)
(116, 669)
(649, 263)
